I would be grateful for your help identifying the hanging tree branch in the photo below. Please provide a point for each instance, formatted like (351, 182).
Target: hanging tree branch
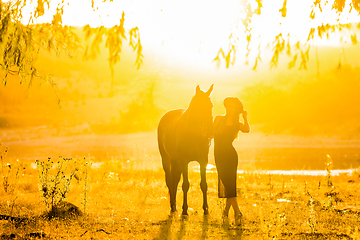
(21, 44)
(299, 50)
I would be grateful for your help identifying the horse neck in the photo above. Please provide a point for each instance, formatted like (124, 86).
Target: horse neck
(193, 117)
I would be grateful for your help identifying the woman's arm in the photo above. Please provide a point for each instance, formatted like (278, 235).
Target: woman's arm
(245, 127)
(216, 121)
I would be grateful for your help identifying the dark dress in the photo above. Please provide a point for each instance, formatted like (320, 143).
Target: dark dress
(226, 158)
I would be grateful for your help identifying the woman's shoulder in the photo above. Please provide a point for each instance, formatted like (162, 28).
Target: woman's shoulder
(218, 117)
(218, 121)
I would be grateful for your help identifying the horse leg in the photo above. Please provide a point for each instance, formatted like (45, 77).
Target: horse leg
(175, 177)
(185, 188)
(168, 180)
(166, 164)
(203, 186)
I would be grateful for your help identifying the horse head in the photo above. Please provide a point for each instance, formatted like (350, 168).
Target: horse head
(200, 110)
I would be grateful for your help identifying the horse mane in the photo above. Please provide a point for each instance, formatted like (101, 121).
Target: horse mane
(195, 118)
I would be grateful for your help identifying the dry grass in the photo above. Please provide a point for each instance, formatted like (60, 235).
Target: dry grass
(132, 204)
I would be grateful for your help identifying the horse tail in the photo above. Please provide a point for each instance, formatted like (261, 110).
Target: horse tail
(165, 158)
(160, 137)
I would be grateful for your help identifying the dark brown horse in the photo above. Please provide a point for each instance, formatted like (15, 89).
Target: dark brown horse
(184, 136)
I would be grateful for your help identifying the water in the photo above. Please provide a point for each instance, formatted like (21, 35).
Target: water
(212, 169)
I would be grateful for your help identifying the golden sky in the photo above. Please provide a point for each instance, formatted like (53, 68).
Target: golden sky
(187, 34)
(201, 26)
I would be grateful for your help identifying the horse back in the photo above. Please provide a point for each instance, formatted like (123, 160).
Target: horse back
(179, 138)
(167, 131)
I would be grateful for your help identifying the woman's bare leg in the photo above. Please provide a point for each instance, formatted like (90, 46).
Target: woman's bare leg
(232, 202)
(227, 207)
(235, 206)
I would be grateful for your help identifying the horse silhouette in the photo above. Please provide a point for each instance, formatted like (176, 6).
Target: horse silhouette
(184, 136)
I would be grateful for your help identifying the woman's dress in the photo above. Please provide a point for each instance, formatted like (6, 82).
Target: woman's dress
(226, 157)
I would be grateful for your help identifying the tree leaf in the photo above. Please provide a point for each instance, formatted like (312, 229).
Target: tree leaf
(259, 6)
(339, 5)
(307, 53)
(312, 14)
(303, 61)
(311, 34)
(255, 66)
(292, 63)
(283, 9)
(317, 3)
(354, 39)
(288, 48)
(356, 5)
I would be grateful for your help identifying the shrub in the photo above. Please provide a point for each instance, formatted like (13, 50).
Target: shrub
(55, 180)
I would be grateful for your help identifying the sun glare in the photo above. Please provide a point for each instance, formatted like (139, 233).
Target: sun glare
(192, 32)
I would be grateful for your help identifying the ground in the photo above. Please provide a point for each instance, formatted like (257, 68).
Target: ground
(124, 196)
(133, 204)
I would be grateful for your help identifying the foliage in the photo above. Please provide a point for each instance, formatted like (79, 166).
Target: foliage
(21, 44)
(55, 180)
(301, 55)
(329, 165)
(312, 218)
(9, 173)
(301, 105)
(143, 111)
(114, 37)
(86, 166)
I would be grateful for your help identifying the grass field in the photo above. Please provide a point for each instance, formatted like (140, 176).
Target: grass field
(125, 203)
(124, 195)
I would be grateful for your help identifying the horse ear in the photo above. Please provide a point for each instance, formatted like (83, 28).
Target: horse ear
(210, 90)
(197, 89)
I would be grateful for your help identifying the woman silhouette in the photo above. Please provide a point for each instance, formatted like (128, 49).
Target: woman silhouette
(226, 129)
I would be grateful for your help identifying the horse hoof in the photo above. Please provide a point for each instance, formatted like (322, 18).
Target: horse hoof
(206, 212)
(185, 214)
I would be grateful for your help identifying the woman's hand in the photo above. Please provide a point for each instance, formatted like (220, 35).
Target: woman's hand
(244, 114)
(245, 127)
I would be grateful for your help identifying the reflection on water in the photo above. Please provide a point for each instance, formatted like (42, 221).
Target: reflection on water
(306, 172)
(212, 169)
